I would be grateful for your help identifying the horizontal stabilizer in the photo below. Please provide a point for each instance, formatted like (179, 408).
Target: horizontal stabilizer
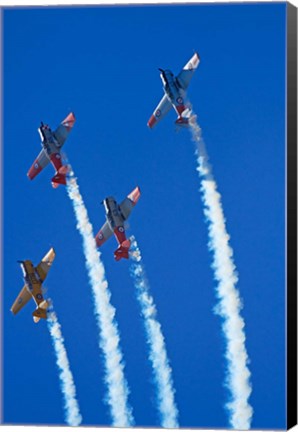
(182, 122)
(60, 176)
(40, 312)
(58, 179)
(122, 251)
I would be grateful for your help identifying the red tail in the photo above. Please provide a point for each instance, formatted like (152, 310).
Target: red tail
(122, 251)
(60, 177)
(182, 121)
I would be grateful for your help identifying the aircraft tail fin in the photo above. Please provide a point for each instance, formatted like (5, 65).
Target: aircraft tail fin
(182, 122)
(40, 311)
(122, 251)
(60, 176)
(184, 118)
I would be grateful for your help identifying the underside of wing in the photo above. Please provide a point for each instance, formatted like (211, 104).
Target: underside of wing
(103, 234)
(129, 202)
(21, 300)
(187, 72)
(160, 111)
(45, 264)
(62, 131)
(40, 162)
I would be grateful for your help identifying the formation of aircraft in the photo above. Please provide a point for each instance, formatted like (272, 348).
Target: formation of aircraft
(175, 93)
(52, 143)
(116, 216)
(34, 278)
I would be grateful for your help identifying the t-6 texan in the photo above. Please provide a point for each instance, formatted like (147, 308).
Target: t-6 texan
(34, 278)
(116, 215)
(52, 143)
(175, 93)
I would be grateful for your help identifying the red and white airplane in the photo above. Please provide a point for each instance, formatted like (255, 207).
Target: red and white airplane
(52, 143)
(175, 93)
(116, 215)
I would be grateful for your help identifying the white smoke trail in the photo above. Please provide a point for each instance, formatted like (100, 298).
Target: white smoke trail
(104, 312)
(229, 306)
(158, 354)
(72, 411)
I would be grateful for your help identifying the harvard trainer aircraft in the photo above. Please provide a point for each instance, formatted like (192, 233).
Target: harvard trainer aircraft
(175, 92)
(52, 143)
(116, 215)
(33, 278)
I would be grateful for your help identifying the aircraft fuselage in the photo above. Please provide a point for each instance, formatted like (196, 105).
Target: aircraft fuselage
(173, 91)
(113, 213)
(115, 220)
(48, 140)
(29, 275)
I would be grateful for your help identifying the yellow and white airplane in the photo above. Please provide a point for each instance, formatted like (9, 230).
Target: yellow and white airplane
(33, 278)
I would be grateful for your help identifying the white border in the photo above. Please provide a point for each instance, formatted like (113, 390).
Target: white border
(13, 3)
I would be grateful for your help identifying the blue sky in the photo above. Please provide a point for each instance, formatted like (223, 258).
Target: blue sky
(102, 64)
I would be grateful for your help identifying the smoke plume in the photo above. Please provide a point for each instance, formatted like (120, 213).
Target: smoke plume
(72, 410)
(157, 348)
(109, 337)
(229, 304)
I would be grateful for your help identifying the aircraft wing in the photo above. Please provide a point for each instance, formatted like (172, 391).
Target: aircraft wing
(129, 202)
(62, 131)
(40, 162)
(45, 264)
(21, 300)
(103, 234)
(187, 72)
(160, 111)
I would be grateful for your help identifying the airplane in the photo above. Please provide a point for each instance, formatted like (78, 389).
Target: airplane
(175, 93)
(116, 215)
(33, 278)
(52, 143)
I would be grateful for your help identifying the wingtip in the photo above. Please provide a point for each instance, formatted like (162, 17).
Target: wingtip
(52, 250)
(151, 121)
(71, 114)
(34, 170)
(134, 196)
(99, 239)
(138, 191)
(49, 256)
(69, 121)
